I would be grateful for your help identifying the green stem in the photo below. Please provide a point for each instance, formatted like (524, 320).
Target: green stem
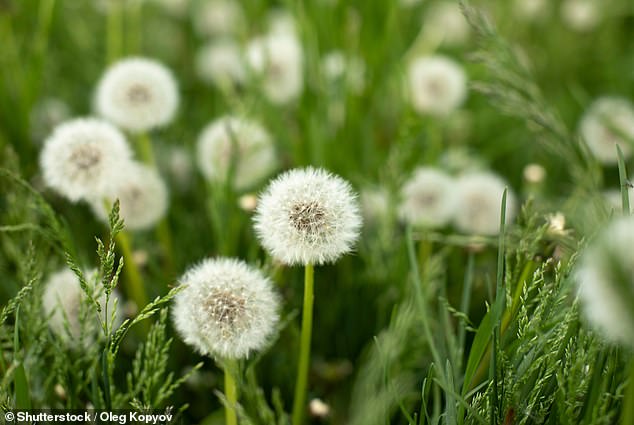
(135, 24)
(299, 404)
(231, 393)
(146, 152)
(627, 415)
(136, 290)
(114, 42)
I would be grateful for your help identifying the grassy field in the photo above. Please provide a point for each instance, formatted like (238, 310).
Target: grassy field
(492, 279)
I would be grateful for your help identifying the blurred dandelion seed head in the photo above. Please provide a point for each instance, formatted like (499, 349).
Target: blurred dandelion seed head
(308, 216)
(606, 284)
(62, 302)
(221, 63)
(137, 94)
(437, 85)
(479, 203)
(82, 157)
(444, 21)
(218, 17)
(276, 60)
(142, 195)
(226, 309)
(607, 122)
(581, 15)
(428, 198)
(240, 142)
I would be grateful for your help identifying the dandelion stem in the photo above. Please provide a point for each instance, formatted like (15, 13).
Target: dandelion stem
(136, 290)
(114, 42)
(299, 404)
(144, 145)
(163, 234)
(231, 393)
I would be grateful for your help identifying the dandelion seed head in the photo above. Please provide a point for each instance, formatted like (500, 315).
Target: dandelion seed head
(218, 17)
(226, 308)
(142, 195)
(308, 216)
(82, 156)
(529, 9)
(444, 21)
(62, 302)
(276, 61)
(479, 203)
(534, 173)
(375, 204)
(605, 277)
(437, 85)
(236, 141)
(428, 198)
(221, 63)
(581, 15)
(137, 94)
(607, 122)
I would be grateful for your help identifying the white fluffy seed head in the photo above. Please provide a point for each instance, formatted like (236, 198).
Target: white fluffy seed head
(137, 94)
(437, 85)
(276, 61)
(233, 144)
(428, 198)
(605, 277)
(479, 203)
(62, 302)
(607, 122)
(226, 308)
(218, 17)
(376, 204)
(338, 68)
(581, 15)
(444, 22)
(142, 195)
(82, 157)
(221, 63)
(529, 10)
(308, 216)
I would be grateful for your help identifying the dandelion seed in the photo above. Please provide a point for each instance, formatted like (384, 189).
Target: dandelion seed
(62, 302)
(142, 195)
(277, 63)
(428, 198)
(221, 63)
(308, 216)
(226, 309)
(444, 22)
(479, 201)
(233, 144)
(606, 284)
(607, 122)
(82, 157)
(437, 85)
(137, 94)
